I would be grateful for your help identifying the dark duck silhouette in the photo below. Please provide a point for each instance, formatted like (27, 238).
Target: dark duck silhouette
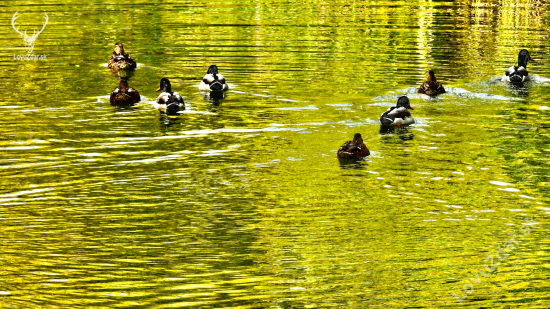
(124, 94)
(354, 149)
(399, 115)
(518, 74)
(431, 86)
(120, 60)
(169, 102)
(213, 82)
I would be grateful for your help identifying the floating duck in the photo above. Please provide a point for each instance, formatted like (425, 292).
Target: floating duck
(213, 82)
(124, 94)
(120, 60)
(431, 86)
(518, 74)
(169, 102)
(399, 115)
(354, 149)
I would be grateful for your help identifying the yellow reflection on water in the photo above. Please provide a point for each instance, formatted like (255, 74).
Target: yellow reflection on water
(241, 202)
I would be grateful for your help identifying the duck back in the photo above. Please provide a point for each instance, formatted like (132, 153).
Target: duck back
(396, 116)
(124, 96)
(352, 150)
(173, 102)
(516, 74)
(213, 82)
(121, 62)
(431, 88)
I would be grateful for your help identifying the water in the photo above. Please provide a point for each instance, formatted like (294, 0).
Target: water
(241, 203)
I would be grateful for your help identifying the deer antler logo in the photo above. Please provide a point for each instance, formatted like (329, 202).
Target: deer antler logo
(29, 41)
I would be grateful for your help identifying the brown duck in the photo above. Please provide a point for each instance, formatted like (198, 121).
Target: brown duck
(354, 149)
(431, 86)
(124, 94)
(120, 60)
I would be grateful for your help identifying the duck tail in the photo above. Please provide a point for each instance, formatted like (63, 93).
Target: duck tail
(386, 121)
(516, 77)
(216, 86)
(172, 107)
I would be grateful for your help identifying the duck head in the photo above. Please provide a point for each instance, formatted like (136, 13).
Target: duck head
(165, 85)
(403, 101)
(119, 49)
(213, 69)
(357, 139)
(523, 58)
(431, 76)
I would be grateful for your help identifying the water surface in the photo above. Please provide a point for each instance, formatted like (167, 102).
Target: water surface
(241, 203)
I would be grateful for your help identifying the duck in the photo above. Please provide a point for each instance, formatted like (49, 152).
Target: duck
(431, 86)
(399, 115)
(169, 102)
(120, 60)
(518, 74)
(213, 81)
(124, 94)
(354, 149)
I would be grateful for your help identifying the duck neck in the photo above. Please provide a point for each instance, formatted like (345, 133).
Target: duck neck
(522, 61)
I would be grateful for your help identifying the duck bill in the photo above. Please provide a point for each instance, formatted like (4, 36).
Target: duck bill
(410, 107)
(158, 89)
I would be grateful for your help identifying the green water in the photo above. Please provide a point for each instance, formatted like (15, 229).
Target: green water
(241, 203)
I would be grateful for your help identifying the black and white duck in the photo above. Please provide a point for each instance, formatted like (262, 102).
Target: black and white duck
(169, 102)
(399, 115)
(213, 82)
(518, 74)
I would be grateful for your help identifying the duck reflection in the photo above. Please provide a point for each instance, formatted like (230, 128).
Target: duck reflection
(353, 164)
(519, 90)
(389, 133)
(215, 97)
(167, 122)
(123, 74)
